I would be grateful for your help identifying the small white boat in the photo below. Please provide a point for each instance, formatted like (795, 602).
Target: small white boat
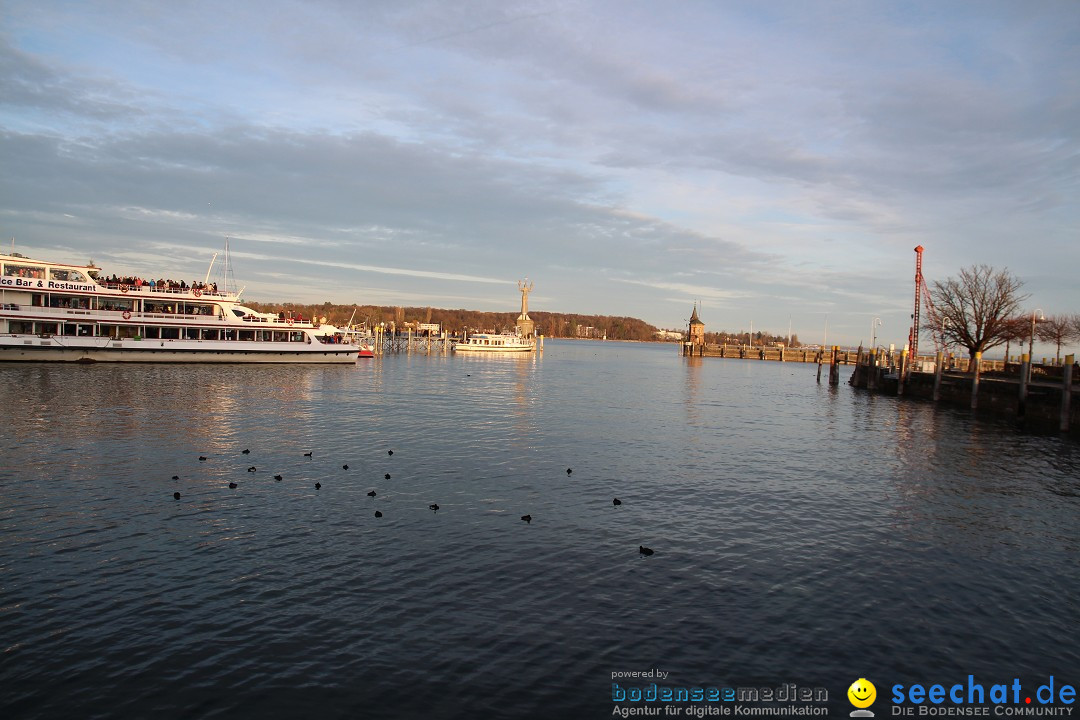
(361, 337)
(69, 313)
(491, 343)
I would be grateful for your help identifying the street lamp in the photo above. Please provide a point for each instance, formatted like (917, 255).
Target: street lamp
(1031, 340)
(945, 322)
(874, 325)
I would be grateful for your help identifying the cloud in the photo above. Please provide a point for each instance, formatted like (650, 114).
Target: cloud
(771, 158)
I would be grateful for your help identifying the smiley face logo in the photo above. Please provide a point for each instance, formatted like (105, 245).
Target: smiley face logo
(862, 693)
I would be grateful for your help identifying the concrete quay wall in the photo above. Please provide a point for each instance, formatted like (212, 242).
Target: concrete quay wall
(806, 355)
(1042, 404)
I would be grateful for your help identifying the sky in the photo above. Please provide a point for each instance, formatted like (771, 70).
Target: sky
(774, 162)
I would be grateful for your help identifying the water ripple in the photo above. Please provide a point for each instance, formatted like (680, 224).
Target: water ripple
(802, 534)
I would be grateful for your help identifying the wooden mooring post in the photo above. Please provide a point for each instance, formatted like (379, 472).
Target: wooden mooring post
(901, 373)
(1066, 391)
(834, 366)
(975, 381)
(857, 376)
(1025, 369)
(937, 375)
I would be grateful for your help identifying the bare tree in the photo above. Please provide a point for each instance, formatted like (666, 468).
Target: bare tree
(975, 307)
(1058, 329)
(1017, 330)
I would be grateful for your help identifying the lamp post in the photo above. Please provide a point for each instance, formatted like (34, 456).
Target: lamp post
(751, 334)
(1031, 340)
(874, 325)
(945, 321)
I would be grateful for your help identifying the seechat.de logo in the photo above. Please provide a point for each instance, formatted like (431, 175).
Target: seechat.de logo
(862, 694)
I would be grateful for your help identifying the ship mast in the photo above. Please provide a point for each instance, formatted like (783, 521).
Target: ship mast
(207, 280)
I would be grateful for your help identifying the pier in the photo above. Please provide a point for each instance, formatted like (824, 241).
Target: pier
(1040, 396)
(776, 354)
(389, 343)
(386, 343)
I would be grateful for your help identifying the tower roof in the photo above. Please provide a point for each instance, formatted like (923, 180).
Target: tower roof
(694, 319)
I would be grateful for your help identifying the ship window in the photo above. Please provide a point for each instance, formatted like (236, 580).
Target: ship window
(170, 333)
(152, 333)
(36, 272)
(191, 333)
(47, 328)
(246, 335)
(67, 275)
(211, 334)
(74, 329)
(18, 327)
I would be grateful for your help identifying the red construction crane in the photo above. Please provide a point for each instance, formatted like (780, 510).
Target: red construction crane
(921, 291)
(913, 334)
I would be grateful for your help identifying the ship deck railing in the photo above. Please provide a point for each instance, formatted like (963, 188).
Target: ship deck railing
(203, 292)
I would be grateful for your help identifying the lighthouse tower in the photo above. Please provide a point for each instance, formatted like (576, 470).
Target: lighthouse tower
(695, 337)
(525, 325)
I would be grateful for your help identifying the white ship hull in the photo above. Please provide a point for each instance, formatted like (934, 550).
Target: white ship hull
(56, 312)
(89, 350)
(495, 344)
(500, 350)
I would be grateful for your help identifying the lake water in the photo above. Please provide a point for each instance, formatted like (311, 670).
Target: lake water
(802, 534)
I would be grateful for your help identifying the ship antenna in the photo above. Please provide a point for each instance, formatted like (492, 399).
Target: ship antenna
(228, 268)
(207, 280)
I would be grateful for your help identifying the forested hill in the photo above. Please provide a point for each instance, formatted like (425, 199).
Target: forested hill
(455, 321)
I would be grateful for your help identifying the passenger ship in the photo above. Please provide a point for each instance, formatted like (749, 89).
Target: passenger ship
(57, 312)
(490, 343)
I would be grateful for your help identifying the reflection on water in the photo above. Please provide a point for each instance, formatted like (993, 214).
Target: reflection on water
(803, 534)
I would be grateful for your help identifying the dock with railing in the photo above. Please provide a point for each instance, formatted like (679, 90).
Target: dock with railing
(390, 343)
(776, 354)
(1034, 394)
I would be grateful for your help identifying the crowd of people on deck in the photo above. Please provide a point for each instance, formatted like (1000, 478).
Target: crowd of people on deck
(160, 285)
